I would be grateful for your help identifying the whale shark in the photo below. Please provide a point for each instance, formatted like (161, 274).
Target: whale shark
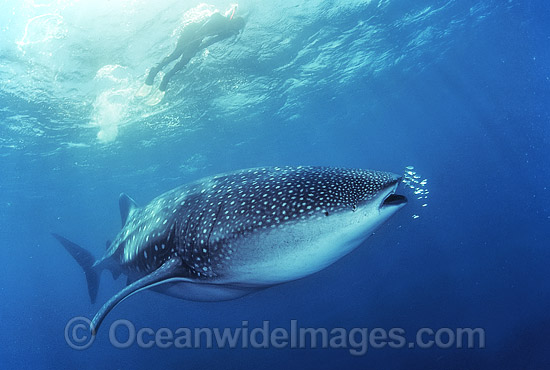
(229, 235)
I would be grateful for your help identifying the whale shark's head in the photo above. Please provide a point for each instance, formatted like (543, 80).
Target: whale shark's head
(291, 222)
(345, 190)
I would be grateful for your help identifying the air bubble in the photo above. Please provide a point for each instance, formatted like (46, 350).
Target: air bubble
(414, 181)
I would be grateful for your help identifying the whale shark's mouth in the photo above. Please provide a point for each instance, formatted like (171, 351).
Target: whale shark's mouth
(394, 200)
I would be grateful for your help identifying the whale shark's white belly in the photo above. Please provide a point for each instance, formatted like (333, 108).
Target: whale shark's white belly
(278, 255)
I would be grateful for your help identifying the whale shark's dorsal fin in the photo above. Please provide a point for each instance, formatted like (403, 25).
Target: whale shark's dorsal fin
(127, 206)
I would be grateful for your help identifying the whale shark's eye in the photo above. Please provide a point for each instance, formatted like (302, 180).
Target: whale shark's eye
(326, 213)
(354, 207)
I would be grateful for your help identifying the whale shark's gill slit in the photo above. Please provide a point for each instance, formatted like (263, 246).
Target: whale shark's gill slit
(171, 241)
(202, 244)
(186, 241)
(220, 207)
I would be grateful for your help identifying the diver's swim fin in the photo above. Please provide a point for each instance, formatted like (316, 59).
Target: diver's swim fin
(156, 97)
(144, 91)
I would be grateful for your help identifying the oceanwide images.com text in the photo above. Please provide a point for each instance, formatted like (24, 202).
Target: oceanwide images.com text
(124, 334)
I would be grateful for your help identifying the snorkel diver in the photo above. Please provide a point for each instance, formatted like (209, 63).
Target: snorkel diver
(195, 37)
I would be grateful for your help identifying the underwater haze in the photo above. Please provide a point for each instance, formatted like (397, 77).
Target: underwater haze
(453, 95)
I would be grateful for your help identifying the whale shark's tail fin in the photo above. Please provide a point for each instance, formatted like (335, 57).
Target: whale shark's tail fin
(86, 261)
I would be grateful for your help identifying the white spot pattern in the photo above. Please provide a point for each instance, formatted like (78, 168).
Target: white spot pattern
(198, 222)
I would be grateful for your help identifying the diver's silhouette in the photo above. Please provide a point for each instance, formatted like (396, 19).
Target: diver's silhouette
(195, 37)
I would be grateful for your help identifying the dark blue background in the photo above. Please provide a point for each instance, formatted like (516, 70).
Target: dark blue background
(475, 122)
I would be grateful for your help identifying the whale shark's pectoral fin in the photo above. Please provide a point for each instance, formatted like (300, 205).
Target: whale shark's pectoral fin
(160, 276)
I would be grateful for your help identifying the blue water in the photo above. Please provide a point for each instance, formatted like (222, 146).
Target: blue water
(458, 89)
